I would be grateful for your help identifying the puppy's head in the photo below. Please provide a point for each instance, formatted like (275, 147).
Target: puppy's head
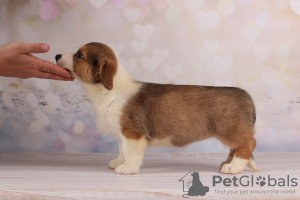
(93, 63)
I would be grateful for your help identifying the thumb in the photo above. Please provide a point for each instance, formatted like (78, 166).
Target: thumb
(34, 47)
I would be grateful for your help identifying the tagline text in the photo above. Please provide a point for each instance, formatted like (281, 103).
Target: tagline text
(255, 192)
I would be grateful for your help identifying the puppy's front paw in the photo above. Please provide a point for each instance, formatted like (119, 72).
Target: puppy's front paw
(231, 169)
(127, 169)
(113, 164)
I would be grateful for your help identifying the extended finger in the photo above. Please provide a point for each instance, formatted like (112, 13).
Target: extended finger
(46, 66)
(32, 47)
(45, 75)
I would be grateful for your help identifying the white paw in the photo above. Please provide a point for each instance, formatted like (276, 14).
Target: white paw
(231, 169)
(127, 169)
(113, 164)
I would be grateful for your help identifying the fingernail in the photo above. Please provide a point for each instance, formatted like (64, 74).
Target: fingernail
(68, 76)
(45, 47)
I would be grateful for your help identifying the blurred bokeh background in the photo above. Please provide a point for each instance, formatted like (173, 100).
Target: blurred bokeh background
(251, 44)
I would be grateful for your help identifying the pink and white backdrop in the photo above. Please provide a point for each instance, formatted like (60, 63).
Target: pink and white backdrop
(251, 44)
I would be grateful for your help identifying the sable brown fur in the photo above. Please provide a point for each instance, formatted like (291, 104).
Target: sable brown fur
(188, 114)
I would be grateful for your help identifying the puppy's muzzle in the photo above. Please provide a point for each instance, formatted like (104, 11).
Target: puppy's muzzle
(61, 63)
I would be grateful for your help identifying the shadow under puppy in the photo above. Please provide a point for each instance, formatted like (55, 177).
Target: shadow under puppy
(140, 115)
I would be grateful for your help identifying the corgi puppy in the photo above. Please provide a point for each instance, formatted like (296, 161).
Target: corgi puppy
(140, 115)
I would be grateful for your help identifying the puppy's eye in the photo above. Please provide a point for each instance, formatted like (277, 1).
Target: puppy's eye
(79, 55)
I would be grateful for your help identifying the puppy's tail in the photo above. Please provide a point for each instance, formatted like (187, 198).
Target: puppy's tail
(252, 165)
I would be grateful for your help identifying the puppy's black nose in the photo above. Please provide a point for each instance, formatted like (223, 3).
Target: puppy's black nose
(57, 57)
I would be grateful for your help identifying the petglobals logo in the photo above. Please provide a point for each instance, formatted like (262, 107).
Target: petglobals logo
(246, 181)
(238, 185)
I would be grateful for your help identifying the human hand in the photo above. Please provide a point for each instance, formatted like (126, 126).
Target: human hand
(16, 61)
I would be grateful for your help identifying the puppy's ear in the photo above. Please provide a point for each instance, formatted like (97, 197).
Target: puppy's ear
(105, 72)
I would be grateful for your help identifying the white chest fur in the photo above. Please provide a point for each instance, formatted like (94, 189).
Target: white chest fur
(109, 104)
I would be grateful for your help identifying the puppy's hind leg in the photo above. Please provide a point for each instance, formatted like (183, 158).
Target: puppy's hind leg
(241, 158)
(119, 160)
(251, 164)
(229, 158)
(133, 150)
(236, 166)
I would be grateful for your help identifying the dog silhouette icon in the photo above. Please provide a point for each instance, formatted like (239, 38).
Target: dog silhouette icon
(197, 188)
